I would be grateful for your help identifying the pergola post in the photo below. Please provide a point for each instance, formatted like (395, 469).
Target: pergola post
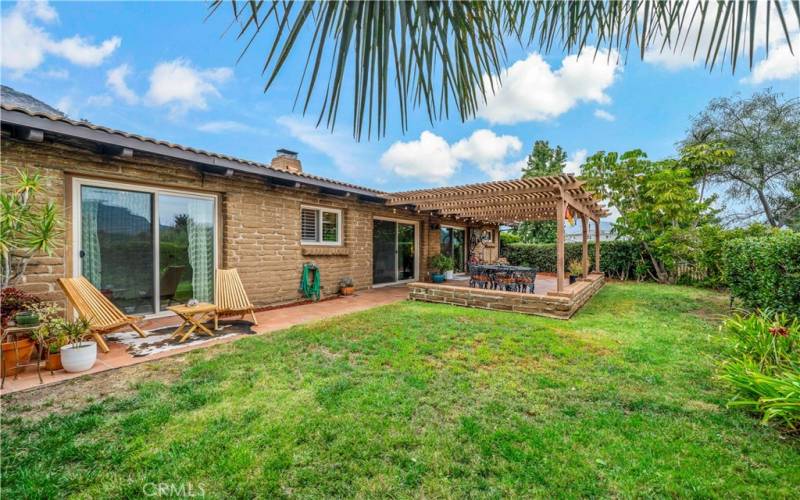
(597, 245)
(585, 235)
(560, 244)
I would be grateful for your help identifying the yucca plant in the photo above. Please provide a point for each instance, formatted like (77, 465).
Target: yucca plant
(26, 228)
(443, 54)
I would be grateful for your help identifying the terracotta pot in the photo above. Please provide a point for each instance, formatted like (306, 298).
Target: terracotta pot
(12, 351)
(347, 290)
(53, 362)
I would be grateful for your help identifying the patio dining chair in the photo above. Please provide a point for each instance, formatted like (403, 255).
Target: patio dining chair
(230, 296)
(103, 316)
(478, 277)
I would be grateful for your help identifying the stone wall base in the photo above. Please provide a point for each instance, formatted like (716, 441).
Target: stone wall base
(561, 305)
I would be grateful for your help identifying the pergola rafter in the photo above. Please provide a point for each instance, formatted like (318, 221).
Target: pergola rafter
(514, 201)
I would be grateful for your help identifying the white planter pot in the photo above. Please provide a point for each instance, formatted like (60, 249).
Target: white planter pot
(79, 357)
(448, 275)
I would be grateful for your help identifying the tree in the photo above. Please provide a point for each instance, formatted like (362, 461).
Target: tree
(542, 161)
(763, 172)
(658, 202)
(436, 55)
(26, 228)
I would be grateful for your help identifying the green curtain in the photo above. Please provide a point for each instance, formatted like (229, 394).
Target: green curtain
(201, 251)
(90, 243)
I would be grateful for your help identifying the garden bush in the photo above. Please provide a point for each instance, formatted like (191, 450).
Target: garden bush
(620, 259)
(764, 272)
(764, 365)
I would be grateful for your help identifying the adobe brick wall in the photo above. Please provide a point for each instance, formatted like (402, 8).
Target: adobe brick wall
(553, 306)
(260, 223)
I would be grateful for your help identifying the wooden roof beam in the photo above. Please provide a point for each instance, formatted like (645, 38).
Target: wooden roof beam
(450, 194)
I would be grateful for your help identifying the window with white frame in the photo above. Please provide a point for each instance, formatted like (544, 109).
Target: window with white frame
(320, 226)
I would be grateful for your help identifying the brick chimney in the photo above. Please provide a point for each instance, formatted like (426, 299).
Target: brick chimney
(286, 160)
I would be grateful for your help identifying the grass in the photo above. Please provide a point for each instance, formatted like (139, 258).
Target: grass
(423, 400)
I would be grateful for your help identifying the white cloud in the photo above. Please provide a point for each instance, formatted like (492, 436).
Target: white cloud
(432, 159)
(183, 87)
(428, 158)
(100, 101)
(347, 155)
(224, 126)
(68, 107)
(80, 51)
(781, 64)
(116, 81)
(532, 91)
(575, 161)
(488, 151)
(484, 147)
(56, 74)
(25, 43)
(604, 115)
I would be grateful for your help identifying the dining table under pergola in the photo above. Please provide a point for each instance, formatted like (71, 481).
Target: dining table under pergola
(558, 198)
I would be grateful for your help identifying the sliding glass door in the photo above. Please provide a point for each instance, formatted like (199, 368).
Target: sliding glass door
(141, 266)
(116, 252)
(453, 244)
(394, 256)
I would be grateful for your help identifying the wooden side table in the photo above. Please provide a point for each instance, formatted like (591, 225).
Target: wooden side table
(193, 318)
(12, 334)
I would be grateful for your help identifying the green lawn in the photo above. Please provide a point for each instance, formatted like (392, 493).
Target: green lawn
(423, 400)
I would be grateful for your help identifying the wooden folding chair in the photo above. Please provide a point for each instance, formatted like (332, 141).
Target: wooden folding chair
(103, 316)
(230, 297)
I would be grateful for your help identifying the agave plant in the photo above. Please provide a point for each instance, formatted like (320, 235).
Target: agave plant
(437, 54)
(26, 228)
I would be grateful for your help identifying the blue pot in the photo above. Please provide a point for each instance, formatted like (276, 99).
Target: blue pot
(437, 278)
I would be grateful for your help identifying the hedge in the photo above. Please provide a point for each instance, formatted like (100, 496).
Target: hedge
(764, 273)
(619, 259)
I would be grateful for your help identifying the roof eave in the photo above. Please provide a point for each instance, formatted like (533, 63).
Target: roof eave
(105, 138)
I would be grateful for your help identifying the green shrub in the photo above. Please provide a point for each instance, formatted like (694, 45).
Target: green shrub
(712, 241)
(775, 397)
(764, 365)
(770, 340)
(441, 263)
(620, 259)
(764, 272)
(507, 238)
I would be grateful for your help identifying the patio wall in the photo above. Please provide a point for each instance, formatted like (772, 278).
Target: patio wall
(260, 223)
(561, 305)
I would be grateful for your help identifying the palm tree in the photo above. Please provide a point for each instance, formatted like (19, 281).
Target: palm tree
(437, 54)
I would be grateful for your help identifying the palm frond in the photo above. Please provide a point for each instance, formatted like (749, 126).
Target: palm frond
(439, 55)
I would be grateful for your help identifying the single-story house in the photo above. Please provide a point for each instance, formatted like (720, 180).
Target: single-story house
(148, 221)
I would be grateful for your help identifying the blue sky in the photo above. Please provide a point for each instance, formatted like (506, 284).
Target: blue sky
(161, 71)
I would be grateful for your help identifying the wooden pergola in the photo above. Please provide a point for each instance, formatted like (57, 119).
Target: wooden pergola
(515, 201)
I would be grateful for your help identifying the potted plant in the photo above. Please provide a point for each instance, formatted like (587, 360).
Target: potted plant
(14, 301)
(440, 263)
(77, 355)
(575, 270)
(346, 286)
(16, 352)
(49, 335)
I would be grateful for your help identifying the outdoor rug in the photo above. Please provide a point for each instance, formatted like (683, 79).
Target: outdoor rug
(161, 340)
